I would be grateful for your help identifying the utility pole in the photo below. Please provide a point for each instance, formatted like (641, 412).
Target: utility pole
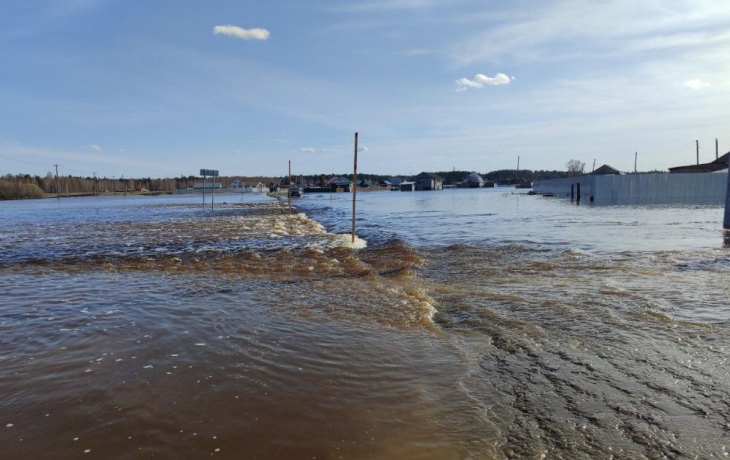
(94, 184)
(58, 188)
(594, 165)
(354, 191)
(698, 152)
(717, 150)
(518, 164)
(726, 222)
(636, 160)
(288, 193)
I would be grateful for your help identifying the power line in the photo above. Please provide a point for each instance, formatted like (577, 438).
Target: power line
(22, 161)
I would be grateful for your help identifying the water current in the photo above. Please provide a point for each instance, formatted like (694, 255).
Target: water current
(463, 324)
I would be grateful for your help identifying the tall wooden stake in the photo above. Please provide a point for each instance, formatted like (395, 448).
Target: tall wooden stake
(289, 186)
(698, 152)
(354, 191)
(58, 188)
(726, 222)
(717, 150)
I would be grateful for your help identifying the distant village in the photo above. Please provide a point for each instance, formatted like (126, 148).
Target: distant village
(425, 181)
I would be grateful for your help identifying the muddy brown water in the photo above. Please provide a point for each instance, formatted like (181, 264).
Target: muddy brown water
(468, 327)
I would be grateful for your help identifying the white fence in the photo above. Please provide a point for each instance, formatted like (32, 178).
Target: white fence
(691, 188)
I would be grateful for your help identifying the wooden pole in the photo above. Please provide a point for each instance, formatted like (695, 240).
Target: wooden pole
(726, 222)
(717, 150)
(289, 187)
(354, 191)
(58, 188)
(698, 152)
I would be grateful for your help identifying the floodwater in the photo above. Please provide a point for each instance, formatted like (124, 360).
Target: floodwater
(464, 324)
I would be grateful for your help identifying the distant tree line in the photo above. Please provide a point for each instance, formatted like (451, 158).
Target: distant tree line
(33, 186)
(513, 176)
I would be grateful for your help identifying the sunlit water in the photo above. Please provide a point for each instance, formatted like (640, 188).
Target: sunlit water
(475, 324)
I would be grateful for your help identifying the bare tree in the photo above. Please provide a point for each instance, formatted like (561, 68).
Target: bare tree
(575, 167)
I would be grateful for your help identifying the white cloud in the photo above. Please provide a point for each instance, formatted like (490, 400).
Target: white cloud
(307, 150)
(244, 34)
(95, 148)
(696, 84)
(122, 150)
(363, 149)
(481, 80)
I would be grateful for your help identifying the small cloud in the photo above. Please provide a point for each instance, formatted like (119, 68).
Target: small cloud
(363, 149)
(307, 150)
(481, 80)
(696, 84)
(122, 150)
(243, 34)
(95, 148)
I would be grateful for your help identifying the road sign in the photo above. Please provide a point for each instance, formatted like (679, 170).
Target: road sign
(209, 172)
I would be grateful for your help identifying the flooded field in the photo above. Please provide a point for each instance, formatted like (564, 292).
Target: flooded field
(469, 324)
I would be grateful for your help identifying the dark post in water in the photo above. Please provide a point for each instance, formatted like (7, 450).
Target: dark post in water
(354, 191)
(289, 187)
(726, 223)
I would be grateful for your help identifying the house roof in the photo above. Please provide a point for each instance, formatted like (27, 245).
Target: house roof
(428, 175)
(717, 165)
(339, 180)
(606, 170)
(474, 177)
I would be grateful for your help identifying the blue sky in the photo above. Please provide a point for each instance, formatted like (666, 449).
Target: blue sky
(148, 88)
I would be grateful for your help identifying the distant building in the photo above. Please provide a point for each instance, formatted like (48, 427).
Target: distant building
(429, 181)
(606, 170)
(339, 183)
(473, 180)
(392, 182)
(339, 180)
(236, 184)
(407, 186)
(717, 165)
